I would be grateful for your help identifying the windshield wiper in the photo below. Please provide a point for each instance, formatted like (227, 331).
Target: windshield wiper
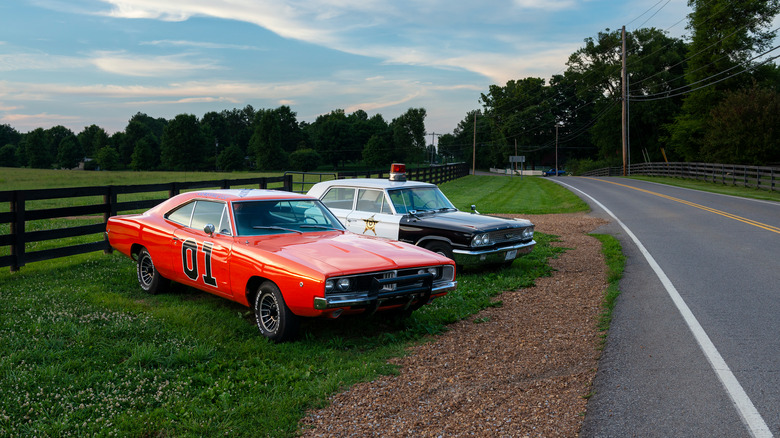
(324, 227)
(259, 227)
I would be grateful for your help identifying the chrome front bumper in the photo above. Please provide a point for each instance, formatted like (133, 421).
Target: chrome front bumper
(377, 298)
(491, 256)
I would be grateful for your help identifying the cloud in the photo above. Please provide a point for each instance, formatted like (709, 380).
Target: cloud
(157, 66)
(418, 33)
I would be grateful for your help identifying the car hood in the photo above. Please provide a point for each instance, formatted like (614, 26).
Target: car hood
(337, 253)
(466, 221)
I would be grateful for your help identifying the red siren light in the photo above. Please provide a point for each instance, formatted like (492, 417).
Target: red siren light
(398, 172)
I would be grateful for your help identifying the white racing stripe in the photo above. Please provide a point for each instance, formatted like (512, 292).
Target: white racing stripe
(750, 416)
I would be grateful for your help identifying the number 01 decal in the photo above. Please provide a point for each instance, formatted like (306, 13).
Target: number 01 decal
(189, 261)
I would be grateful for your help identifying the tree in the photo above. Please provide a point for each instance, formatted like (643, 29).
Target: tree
(266, 143)
(231, 158)
(304, 160)
(146, 155)
(378, 151)
(108, 158)
(69, 152)
(183, 144)
(8, 155)
(744, 128)
(409, 136)
(36, 150)
(9, 135)
(725, 36)
(92, 139)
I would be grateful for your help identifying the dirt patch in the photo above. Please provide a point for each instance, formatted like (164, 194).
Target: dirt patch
(522, 369)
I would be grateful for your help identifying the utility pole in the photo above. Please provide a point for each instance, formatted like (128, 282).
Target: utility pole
(556, 149)
(474, 148)
(625, 102)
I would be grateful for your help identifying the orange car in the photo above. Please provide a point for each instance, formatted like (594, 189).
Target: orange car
(284, 254)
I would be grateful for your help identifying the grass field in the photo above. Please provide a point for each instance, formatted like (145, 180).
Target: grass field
(85, 353)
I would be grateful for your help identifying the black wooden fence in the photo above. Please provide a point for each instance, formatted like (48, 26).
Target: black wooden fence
(104, 202)
(20, 214)
(759, 177)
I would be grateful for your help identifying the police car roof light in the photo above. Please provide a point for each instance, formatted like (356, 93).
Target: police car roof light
(398, 172)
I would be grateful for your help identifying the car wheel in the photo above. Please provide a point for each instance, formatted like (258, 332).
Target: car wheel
(150, 280)
(439, 248)
(274, 319)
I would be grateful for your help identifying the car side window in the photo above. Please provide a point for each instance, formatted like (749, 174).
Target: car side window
(371, 201)
(182, 215)
(207, 212)
(339, 197)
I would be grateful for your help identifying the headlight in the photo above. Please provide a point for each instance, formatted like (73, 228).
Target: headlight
(528, 232)
(344, 284)
(329, 286)
(481, 240)
(432, 270)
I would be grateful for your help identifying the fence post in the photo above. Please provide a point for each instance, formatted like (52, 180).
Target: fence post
(109, 201)
(17, 230)
(288, 183)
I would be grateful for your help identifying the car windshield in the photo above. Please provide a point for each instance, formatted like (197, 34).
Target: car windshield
(419, 199)
(258, 218)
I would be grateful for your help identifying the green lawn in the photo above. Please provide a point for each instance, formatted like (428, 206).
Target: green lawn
(85, 352)
(744, 192)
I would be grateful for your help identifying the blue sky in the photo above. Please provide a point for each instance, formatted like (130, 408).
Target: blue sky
(82, 62)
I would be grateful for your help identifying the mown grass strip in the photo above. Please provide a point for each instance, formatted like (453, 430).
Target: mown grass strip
(616, 262)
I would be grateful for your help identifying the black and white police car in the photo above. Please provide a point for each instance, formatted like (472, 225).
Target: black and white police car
(419, 213)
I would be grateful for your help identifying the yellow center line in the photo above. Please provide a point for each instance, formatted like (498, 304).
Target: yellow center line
(699, 206)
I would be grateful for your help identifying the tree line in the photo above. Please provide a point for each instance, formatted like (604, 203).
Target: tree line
(237, 139)
(711, 97)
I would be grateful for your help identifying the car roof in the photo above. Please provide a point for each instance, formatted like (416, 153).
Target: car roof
(374, 183)
(244, 194)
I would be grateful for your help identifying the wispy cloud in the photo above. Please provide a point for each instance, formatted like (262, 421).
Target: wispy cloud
(199, 44)
(158, 66)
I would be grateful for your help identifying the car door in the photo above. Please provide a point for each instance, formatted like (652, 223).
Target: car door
(372, 215)
(202, 259)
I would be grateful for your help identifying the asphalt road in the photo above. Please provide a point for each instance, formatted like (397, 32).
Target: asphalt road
(694, 345)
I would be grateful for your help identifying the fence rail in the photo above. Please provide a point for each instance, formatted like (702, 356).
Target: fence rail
(103, 202)
(760, 177)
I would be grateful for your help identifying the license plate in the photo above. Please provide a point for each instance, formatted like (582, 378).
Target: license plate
(510, 255)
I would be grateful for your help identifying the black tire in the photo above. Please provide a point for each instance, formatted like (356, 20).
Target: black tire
(439, 248)
(148, 278)
(274, 319)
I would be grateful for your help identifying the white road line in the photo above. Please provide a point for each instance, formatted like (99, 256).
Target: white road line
(750, 416)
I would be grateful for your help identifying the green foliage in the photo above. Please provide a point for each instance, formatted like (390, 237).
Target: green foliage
(8, 155)
(744, 128)
(108, 158)
(305, 160)
(266, 142)
(36, 150)
(183, 145)
(231, 158)
(725, 36)
(616, 262)
(69, 152)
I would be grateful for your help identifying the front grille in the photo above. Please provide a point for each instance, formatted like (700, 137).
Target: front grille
(507, 235)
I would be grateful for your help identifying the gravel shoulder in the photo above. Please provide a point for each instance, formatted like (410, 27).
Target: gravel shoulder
(522, 369)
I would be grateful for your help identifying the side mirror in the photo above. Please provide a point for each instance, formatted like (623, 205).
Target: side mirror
(209, 229)
(474, 209)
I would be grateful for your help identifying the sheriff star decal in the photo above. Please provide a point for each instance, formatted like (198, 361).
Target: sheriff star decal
(370, 225)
